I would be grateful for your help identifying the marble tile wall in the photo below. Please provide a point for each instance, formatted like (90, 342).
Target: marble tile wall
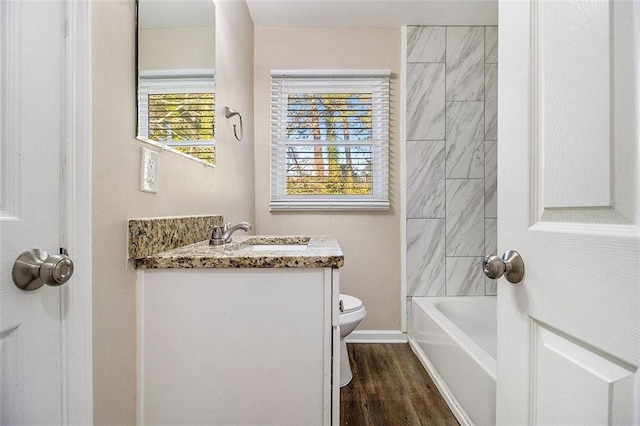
(451, 158)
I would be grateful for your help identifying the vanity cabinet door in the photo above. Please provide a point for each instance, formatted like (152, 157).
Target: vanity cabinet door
(235, 346)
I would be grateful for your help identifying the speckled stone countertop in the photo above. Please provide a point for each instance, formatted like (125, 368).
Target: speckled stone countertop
(321, 251)
(152, 235)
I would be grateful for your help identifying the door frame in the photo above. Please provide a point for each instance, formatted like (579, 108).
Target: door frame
(76, 296)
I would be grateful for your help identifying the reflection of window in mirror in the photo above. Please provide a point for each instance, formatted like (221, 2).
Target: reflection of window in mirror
(176, 58)
(177, 108)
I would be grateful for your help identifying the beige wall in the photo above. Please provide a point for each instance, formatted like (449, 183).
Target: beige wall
(166, 48)
(370, 241)
(185, 187)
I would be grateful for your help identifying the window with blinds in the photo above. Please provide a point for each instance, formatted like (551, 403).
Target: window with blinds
(178, 110)
(330, 140)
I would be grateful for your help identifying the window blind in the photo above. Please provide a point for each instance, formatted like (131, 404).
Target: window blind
(181, 116)
(330, 140)
(178, 109)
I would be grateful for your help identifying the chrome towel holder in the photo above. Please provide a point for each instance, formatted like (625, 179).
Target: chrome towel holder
(230, 112)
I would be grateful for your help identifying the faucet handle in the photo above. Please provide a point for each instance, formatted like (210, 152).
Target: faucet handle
(217, 231)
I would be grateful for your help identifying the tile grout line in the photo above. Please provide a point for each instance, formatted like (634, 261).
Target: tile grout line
(446, 57)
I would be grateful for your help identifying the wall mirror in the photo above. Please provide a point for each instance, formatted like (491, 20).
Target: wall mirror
(175, 76)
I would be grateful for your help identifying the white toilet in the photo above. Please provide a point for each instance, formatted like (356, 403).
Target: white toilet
(351, 313)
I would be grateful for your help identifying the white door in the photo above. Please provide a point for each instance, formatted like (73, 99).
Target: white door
(568, 169)
(32, 133)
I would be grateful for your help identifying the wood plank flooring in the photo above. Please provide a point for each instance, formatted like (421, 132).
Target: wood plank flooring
(390, 387)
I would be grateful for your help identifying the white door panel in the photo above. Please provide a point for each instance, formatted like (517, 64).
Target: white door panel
(578, 383)
(32, 89)
(577, 171)
(569, 334)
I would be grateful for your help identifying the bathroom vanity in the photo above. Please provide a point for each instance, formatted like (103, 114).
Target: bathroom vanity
(244, 333)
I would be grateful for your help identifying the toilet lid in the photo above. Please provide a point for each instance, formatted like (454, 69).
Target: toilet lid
(350, 303)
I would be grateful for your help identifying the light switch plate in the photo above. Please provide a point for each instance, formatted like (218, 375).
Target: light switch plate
(149, 167)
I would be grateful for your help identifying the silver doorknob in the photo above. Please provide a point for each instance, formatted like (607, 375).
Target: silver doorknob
(510, 265)
(35, 268)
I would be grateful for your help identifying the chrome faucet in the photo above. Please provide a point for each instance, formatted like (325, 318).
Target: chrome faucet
(222, 234)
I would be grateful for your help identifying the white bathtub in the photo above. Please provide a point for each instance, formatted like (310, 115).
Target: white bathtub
(455, 338)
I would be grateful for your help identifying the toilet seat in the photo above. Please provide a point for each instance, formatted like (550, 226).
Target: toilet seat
(350, 303)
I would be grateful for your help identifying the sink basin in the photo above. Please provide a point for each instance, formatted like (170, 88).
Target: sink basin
(270, 244)
(276, 247)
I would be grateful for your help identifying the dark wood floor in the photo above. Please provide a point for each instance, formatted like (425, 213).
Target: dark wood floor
(390, 387)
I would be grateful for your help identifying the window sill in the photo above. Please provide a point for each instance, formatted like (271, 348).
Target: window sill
(164, 147)
(328, 205)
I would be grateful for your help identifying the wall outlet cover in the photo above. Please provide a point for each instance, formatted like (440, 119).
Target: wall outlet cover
(149, 167)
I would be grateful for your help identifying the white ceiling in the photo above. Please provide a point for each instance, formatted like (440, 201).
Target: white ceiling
(325, 13)
(372, 13)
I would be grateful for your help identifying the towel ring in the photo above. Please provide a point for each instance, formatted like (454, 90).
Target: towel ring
(228, 113)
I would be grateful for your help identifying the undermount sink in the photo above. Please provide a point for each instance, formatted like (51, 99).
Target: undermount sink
(276, 247)
(269, 244)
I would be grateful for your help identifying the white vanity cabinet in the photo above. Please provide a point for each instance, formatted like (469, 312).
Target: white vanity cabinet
(245, 346)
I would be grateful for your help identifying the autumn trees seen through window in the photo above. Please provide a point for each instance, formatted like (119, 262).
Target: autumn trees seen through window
(330, 137)
(182, 120)
(327, 166)
(176, 109)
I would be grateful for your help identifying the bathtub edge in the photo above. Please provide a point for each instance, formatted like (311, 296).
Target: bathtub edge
(454, 405)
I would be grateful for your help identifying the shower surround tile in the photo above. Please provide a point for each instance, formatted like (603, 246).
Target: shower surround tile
(465, 217)
(451, 162)
(425, 101)
(491, 102)
(490, 236)
(425, 179)
(491, 45)
(490, 247)
(490, 287)
(490, 179)
(465, 146)
(409, 306)
(465, 276)
(425, 257)
(426, 44)
(465, 63)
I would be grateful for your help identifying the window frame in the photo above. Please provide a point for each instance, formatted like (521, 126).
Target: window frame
(172, 82)
(285, 82)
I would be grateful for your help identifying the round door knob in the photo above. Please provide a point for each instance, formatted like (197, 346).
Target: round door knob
(35, 268)
(56, 270)
(510, 265)
(493, 267)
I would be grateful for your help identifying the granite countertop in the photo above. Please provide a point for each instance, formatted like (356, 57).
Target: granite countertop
(152, 235)
(321, 251)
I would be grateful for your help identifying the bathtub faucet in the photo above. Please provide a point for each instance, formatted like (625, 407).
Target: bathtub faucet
(222, 234)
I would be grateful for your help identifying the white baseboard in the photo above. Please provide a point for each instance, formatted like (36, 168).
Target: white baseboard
(377, 336)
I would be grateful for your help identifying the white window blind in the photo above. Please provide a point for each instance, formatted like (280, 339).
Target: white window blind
(177, 108)
(330, 140)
